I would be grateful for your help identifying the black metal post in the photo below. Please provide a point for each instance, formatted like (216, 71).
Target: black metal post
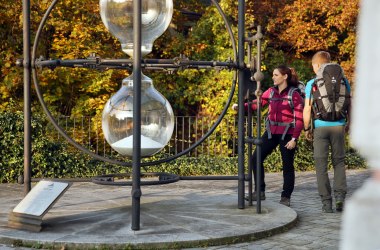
(136, 157)
(259, 140)
(249, 134)
(258, 158)
(241, 143)
(249, 129)
(27, 102)
(250, 167)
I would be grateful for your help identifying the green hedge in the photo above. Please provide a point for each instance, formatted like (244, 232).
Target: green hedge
(52, 159)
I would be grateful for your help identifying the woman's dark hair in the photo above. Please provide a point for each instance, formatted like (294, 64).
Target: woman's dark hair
(292, 75)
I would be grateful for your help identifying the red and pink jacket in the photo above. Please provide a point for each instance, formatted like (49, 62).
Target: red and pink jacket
(280, 111)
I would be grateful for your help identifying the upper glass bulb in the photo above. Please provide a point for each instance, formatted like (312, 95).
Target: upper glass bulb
(117, 16)
(157, 119)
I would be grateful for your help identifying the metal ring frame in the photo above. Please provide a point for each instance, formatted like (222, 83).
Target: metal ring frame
(122, 64)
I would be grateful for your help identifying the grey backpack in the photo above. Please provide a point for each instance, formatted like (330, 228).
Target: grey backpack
(331, 97)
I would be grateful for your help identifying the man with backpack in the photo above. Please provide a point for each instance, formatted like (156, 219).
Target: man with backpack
(325, 116)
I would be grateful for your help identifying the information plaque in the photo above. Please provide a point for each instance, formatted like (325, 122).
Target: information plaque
(29, 212)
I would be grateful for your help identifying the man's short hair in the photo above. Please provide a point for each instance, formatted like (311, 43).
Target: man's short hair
(321, 57)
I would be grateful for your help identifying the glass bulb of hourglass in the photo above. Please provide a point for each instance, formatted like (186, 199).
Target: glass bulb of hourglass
(117, 16)
(157, 119)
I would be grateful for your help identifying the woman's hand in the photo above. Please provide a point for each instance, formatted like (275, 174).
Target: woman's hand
(291, 144)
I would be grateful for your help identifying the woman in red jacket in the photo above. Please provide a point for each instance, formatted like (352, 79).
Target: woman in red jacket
(283, 127)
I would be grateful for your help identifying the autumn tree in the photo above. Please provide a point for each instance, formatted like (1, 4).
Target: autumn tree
(293, 29)
(10, 50)
(75, 30)
(306, 26)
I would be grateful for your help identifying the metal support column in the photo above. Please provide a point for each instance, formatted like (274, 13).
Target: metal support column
(241, 143)
(27, 101)
(136, 157)
(249, 122)
(250, 148)
(258, 77)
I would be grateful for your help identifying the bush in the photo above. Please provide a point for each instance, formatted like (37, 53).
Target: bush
(50, 159)
(192, 166)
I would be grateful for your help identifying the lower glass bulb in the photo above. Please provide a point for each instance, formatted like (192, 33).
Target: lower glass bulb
(157, 119)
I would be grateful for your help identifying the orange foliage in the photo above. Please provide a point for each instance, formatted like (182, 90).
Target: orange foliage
(306, 26)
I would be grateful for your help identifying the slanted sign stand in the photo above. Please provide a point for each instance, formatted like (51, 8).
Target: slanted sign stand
(27, 215)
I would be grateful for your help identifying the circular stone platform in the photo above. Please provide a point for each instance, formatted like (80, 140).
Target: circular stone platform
(177, 215)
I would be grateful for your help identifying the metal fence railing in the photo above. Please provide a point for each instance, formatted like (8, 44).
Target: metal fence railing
(187, 130)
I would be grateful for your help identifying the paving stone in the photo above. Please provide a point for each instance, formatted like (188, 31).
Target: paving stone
(311, 219)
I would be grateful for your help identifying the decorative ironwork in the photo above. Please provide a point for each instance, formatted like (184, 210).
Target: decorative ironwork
(31, 63)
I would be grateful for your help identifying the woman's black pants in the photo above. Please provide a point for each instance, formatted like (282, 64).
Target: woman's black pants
(287, 156)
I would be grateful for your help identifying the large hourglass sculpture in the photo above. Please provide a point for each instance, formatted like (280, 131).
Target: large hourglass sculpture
(157, 118)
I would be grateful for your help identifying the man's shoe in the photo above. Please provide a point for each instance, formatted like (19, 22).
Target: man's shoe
(339, 203)
(327, 206)
(285, 201)
(254, 198)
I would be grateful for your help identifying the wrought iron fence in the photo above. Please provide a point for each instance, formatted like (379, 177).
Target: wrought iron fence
(187, 130)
